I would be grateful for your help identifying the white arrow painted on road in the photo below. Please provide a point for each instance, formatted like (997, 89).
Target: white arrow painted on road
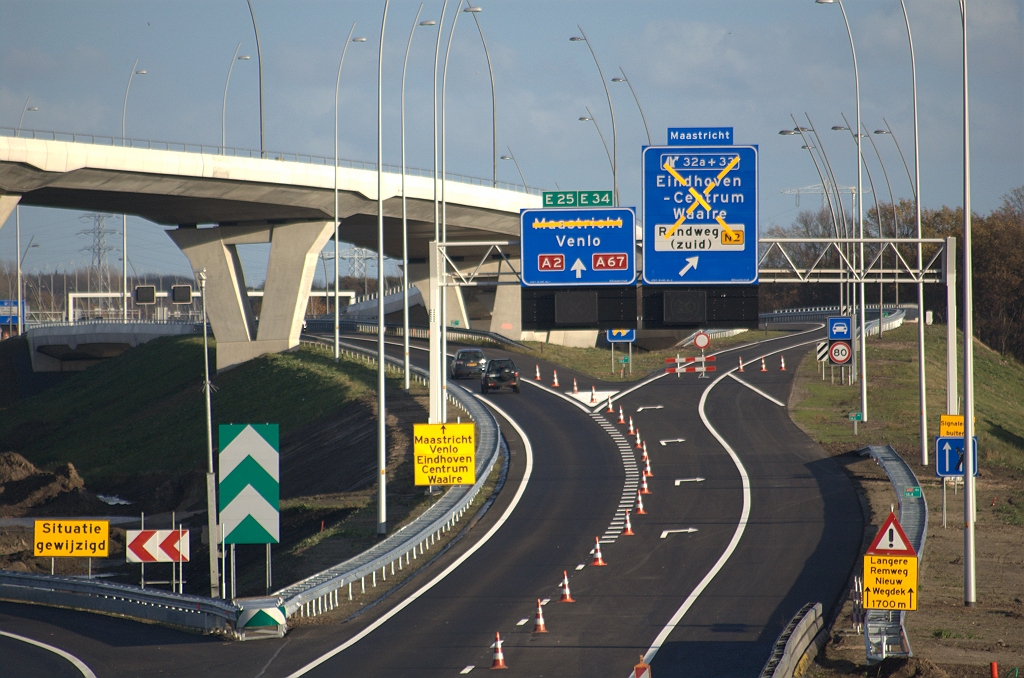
(668, 532)
(672, 440)
(650, 407)
(688, 480)
(691, 262)
(579, 268)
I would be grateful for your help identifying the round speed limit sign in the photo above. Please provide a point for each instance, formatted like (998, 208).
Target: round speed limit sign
(839, 352)
(701, 340)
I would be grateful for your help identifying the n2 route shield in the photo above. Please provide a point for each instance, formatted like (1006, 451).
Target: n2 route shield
(585, 246)
(700, 215)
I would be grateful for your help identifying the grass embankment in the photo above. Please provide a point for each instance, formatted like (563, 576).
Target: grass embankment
(597, 362)
(143, 411)
(823, 410)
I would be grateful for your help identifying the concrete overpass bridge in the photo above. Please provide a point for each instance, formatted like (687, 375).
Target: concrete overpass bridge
(217, 200)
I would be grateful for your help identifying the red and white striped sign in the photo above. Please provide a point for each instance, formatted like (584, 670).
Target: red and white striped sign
(673, 370)
(693, 359)
(157, 546)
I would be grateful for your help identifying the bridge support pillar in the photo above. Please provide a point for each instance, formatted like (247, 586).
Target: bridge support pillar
(293, 258)
(7, 205)
(492, 309)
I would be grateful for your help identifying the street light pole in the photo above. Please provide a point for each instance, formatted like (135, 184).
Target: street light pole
(405, 223)
(224, 107)
(611, 110)
(437, 359)
(637, 100)
(259, 67)
(895, 228)
(211, 479)
(25, 110)
(382, 456)
(337, 85)
(124, 217)
(590, 118)
(512, 156)
(494, 100)
(860, 219)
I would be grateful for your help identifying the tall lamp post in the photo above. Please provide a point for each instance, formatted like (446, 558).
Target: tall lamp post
(224, 106)
(860, 218)
(512, 156)
(259, 67)
(405, 223)
(25, 110)
(637, 100)
(611, 110)
(211, 479)
(337, 85)
(382, 458)
(124, 217)
(494, 100)
(589, 117)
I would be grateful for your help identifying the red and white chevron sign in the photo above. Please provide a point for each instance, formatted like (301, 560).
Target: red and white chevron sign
(157, 546)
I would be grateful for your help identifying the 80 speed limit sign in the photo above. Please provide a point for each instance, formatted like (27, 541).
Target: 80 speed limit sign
(839, 352)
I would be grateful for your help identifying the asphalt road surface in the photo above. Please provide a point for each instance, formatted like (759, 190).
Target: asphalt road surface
(769, 524)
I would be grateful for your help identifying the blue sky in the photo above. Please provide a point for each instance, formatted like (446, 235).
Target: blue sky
(748, 64)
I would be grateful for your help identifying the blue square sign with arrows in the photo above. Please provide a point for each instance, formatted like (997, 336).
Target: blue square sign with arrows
(623, 336)
(585, 247)
(839, 329)
(700, 215)
(949, 456)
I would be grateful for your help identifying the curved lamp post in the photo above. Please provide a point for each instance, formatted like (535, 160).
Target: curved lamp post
(124, 217)
(860, 216)
(337, 86)
(611, 110)
(437, 359)
(224, 107)
(405, 223)
(512, 156)
(259, 66)
(25, 110)
(637, 100)
(494, 100)
(589, 117)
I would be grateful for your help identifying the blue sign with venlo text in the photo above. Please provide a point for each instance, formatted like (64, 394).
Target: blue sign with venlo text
(700, 215)
(585, 247)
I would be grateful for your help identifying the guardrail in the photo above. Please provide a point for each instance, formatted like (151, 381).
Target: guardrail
(794, 642)
(322, 592)
(415, 332)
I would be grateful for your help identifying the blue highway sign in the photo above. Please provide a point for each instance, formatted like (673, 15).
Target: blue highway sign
(949, 457)
(839, 329)
(586, 246)
(700, 136)
(624, 336)
(700, 207)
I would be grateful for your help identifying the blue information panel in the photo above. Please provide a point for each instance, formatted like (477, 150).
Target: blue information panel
(700, 136)
(623, 336)
(9, 311)
(949, 457)
(586, 247)
(840, 329)
(700, 207)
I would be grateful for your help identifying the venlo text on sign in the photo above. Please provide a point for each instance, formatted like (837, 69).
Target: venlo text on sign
(72, 538)
(444, 454)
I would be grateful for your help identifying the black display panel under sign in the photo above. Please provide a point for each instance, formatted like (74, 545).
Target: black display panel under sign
(579, 308)
(691, 307)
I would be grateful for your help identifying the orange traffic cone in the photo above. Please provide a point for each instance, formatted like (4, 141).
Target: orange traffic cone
(783, 363)
(642, 670)
(538, 372)
(538, 625)
(643, 485)
(566, 596)
(647, 469)
(554, 384)
(640, 505)
(593, 395)
(638, 445)
(763, 368)
(499, 656)
(741, 363)
(628, 531)
(622, 420)
(631, 429)
(610, 408)
(598, 560)
(574, 389)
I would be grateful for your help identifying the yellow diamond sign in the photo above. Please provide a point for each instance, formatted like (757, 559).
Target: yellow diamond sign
(444, 454)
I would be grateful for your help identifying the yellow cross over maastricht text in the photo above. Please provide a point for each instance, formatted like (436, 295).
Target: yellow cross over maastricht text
(730, 235)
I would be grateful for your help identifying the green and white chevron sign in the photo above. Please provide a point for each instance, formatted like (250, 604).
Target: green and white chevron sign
(250, 483)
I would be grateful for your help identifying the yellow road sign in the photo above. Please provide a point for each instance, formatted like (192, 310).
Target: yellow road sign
(952, 425)
(444, 454)
(72, 538)
(890, 582)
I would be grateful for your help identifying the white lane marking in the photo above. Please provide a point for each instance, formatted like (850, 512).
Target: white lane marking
(741, 526)
(671, 440)
(580, 566)
(546, 600)
(688, 530)
(471, 667)
(75, 661)
(757, 390)
(688, 480)
(451, 568)
(521, 622)
(650, 407)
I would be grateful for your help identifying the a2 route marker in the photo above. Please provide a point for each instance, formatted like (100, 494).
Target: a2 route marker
(890, 570)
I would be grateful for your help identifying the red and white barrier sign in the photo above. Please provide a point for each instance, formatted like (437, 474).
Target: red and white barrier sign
(693, 359)
(157, 546)
(673, 370)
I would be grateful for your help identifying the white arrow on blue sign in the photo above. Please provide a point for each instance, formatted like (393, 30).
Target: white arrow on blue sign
(839, 329)
(700, 215)
(949, 456)
(568, 247)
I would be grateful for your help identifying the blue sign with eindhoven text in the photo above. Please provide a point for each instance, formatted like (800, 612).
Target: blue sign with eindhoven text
(700, 136)
(585, 247)
(700, 215)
